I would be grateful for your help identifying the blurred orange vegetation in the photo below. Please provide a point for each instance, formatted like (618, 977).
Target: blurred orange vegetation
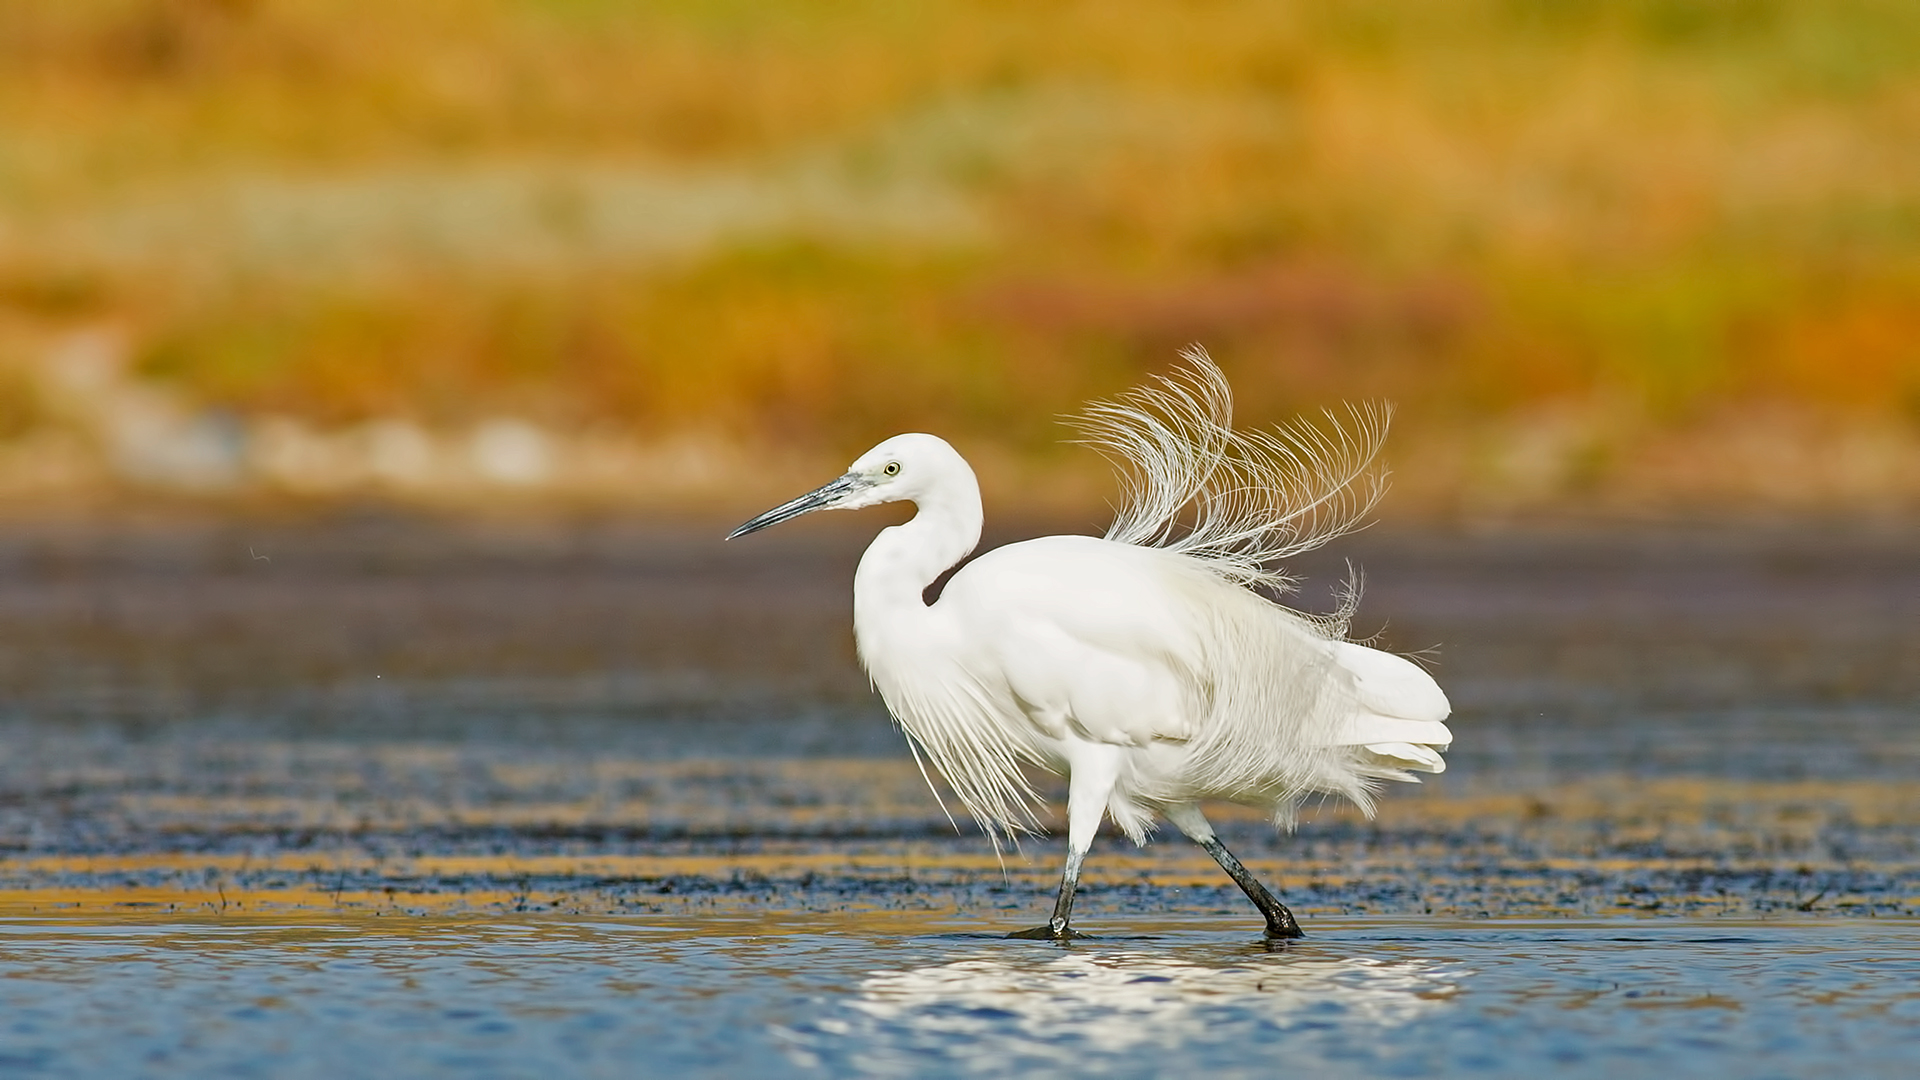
(1595, 249)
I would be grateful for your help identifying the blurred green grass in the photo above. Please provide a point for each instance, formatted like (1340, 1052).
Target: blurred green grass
(809, 225)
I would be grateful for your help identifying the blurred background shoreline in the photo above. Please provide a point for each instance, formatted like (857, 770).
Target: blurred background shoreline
(1648, 257)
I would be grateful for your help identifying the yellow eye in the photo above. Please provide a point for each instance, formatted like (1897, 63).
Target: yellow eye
(892, 469)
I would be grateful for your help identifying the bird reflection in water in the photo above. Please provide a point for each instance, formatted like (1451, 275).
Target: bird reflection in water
(1081, 1006)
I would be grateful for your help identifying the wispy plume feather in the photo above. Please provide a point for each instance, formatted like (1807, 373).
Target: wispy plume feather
(1237, 501)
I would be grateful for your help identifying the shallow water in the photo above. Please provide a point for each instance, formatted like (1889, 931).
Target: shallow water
(386, 797)
(887, 996)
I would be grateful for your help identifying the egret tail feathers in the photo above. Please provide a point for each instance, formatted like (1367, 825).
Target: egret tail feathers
(1392, 685)
(1366, 729)
(1238, 501)
(1404, 757)
(1398, 729)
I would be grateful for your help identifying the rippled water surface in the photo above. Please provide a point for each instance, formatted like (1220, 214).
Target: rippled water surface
(892, 997)
(385, 797)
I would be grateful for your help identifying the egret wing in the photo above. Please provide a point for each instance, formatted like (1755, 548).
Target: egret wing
(1089, 637)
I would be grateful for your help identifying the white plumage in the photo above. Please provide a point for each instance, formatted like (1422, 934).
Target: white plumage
(1145, 666)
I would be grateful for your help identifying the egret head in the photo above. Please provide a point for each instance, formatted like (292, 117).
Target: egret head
(904, 468)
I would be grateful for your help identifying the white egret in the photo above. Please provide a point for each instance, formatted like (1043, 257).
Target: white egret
(1148, 666)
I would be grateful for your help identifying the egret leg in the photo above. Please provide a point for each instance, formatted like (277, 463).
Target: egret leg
(1057, 928)
(1280, 921)
(1093, 770)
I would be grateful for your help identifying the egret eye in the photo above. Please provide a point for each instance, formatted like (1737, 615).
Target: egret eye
(892, 469)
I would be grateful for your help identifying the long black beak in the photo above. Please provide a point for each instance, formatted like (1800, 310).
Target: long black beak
(820, 498)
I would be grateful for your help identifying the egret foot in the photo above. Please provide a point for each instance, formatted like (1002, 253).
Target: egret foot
(1285, 929)
(1056, 928)
(1280, 922)
(1048, 933)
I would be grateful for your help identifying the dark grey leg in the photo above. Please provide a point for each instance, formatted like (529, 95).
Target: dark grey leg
(1056, 928)
(1280, 921)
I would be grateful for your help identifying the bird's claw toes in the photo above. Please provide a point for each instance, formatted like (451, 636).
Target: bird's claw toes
(1047, 933)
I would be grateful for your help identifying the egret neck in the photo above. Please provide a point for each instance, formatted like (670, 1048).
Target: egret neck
(889, 588)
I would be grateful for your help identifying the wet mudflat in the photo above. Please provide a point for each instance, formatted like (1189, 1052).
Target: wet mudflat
(280, 798)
